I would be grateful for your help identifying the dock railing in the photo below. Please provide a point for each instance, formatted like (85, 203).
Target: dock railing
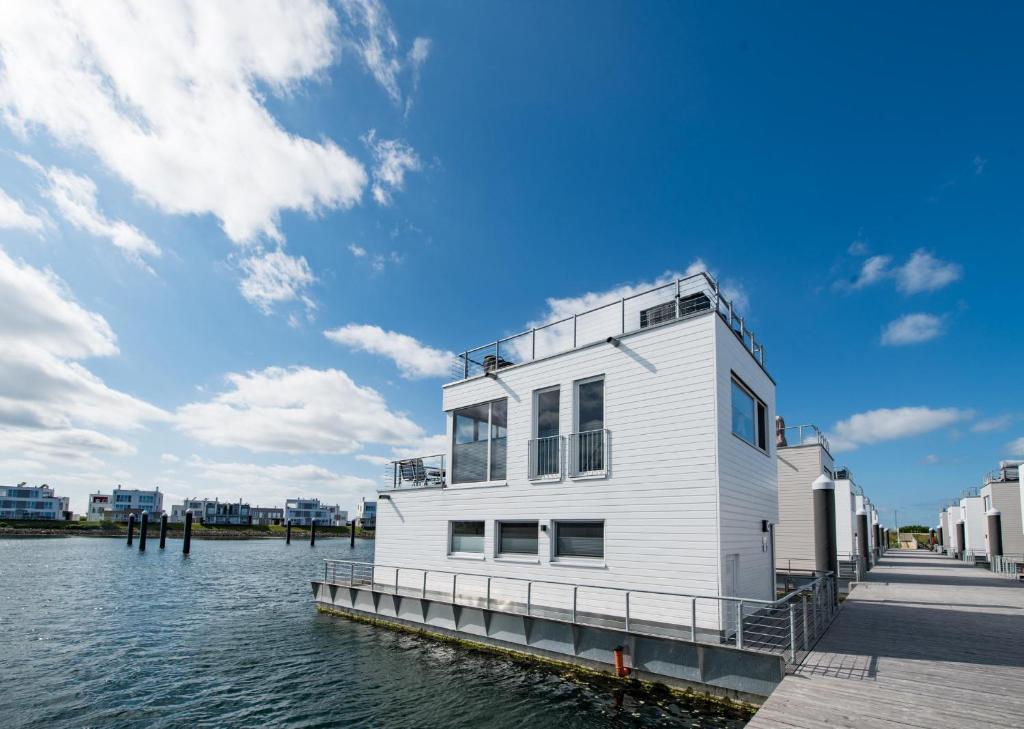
(1008, 565)
(788, 626)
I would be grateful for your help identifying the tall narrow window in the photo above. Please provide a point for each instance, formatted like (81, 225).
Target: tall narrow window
(478, 450)
(590, 435)
(749, 416)
(546, 459)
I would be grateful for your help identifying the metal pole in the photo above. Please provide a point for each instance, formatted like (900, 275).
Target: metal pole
(488, 593)
(143, 528)
(574, 590)
(424, 592)
(455, 579)
(792, 632)
(325, 571)
(574, 331)
(163, 531)
(623, 304)
(739, 624)
(627, 612)
(529, 590)
(533, 346)
(351, 573)
(803, 600)
(693, 619)
(186, 545)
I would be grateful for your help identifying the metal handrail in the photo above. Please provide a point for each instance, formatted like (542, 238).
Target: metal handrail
(589, 452)
(684, 293)
(545, 458)
(815, 437)
(418, 473)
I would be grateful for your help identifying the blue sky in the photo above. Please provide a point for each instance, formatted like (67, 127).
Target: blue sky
(193, 196)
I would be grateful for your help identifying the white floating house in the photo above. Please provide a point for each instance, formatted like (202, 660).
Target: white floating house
(972, 513)
(626, 448)
(1001, 496)
(803, 456)
(953, 522)
(846, 514)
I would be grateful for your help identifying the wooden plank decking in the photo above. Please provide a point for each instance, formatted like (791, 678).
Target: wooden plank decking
(925, 642)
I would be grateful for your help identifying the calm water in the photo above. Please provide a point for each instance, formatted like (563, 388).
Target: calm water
(93, 633)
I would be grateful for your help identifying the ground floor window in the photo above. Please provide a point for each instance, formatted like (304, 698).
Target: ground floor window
(467, 537)
(579, 539)
(517, 537)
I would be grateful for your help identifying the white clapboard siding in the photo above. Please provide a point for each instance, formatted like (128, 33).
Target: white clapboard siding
(1005, 498)
(846, 519)
(972, 511)
(952, 517)
(799, 466)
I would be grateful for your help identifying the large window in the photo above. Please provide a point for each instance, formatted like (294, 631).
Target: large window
(544, 450)
(589, 439)
(480, 434)
(467, 537)
(517, 537)
(579, 539)
(749, 416)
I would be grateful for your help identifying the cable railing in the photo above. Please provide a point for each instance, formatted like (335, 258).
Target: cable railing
(788, 626)
(799, 435)
(679, 299)
(422, 472)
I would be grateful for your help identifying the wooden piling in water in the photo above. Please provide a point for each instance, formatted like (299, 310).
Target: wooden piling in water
(312, 532)
(352, 533)
(288, 533)
(131, 529)
(187, 546)
(163, 531)
(143, 528)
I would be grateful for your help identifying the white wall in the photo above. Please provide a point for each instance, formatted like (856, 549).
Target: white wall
(952, 517)
(1006, 499)
(846, 545)
(972, 511)
(799, 466)
(659, 499)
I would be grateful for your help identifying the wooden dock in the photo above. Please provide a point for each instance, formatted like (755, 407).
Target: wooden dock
(925, 641)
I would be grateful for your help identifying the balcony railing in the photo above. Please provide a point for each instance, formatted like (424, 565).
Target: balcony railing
(545, 458)
(424, 472)
(588, 453)
(679, 299)
(798, 435)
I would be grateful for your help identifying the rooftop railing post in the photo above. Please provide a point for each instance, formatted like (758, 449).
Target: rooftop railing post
(623, 305)
(533, 345)
(792, 632)
(732, 316)
(465, 365)
(739, 624)
(574, 331)
(627, 612)
(693, 619)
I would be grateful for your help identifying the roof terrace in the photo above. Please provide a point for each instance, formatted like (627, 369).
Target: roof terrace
(680, 299)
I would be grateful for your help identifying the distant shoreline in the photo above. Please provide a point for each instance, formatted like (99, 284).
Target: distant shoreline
(108, 530)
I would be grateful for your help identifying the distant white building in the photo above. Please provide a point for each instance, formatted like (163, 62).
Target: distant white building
(124, 502)
(302, 511)
(213, 511)
(101, 507)
(366, 514)
(1002, 492)
(267, 515)
(803, 456)
(32, 502)
(846, 514)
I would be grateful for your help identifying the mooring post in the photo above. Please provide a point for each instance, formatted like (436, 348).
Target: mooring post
(352, 534)
(995, 532)
(143, 528)
(163, 531)
(288, 533)
(131, 529)
(312, 532)
(186, 546)
(863, 561)
(961, 539)
(826, 554)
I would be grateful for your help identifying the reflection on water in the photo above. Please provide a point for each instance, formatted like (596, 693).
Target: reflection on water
(93, 633)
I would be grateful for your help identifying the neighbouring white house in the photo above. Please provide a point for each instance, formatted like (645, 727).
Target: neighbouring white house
(953, 521)
(366, 513)
(117, 506)
(627, 447)
(267, 515)
(302, 512)
(213, 511)
(1001, 491)
(803, 455)
(972, 512)
(32, 502)
(847, 493)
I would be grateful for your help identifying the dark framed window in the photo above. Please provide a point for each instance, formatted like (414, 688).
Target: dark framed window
(749, 416)
(467, 537)
(479, 436)
(579, 539)
(517, 537)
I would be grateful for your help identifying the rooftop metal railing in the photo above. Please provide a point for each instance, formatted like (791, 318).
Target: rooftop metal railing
(662, 304)
(798, 435)
(788, 626)
(423, 472)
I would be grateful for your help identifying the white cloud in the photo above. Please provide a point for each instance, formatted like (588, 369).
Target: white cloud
(278, 477)
(858, 248)
(169, 458)
(922, 272)
(170, 98)
(373, 37)
(884, 424)
(275, 277)
(46, 396)
(357, 251)
(1016, 448)
(75, 198)
(392, 159)
(925, 272)
(979, 164)
(994, 424)
(931, 459)
(296, 410)
(14, 216)
(912, 329)
(374, 460)
(414, 359)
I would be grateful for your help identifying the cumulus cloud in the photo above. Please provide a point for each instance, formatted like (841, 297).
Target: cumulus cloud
(1016, 448)
(171, 98)
(922, 272)
(357, 250)
(278, 481)
(885, 424)
(392, 160)
(14, 216)
(275, 277)
(296, 410)
(993, 424)
(75, 198)
(912, 329)
(414, 359)
(49, 401)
